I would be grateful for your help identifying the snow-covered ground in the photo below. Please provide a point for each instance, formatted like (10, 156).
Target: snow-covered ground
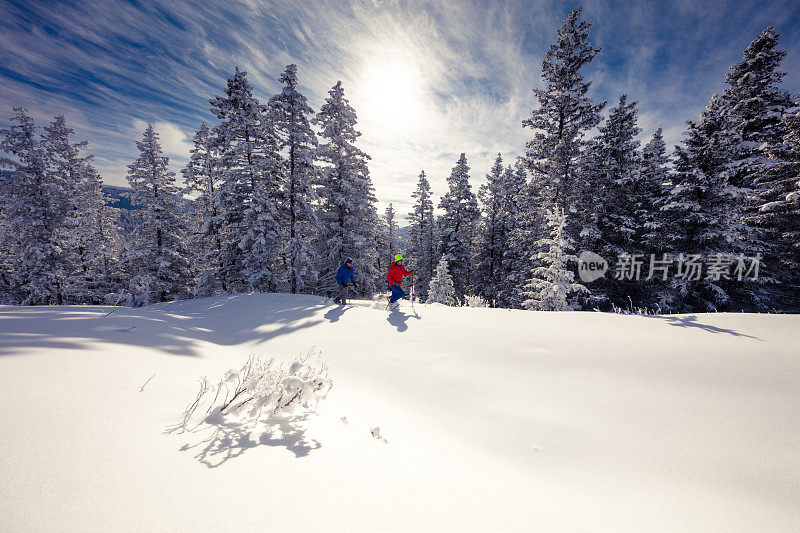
(488, 420)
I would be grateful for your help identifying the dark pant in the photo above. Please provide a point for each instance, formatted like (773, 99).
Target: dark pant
(397, 293)
(344, 292)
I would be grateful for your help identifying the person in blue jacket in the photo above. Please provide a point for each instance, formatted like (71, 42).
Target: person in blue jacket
(344, 277)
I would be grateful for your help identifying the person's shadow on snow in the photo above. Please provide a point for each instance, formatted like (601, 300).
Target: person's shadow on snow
(399, 319)
(335, 313)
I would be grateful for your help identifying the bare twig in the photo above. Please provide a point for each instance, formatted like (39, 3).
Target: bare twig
(189, 411)
(146, 382)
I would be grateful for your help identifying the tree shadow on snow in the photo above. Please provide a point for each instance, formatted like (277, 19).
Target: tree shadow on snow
(399, 319)
(690, 321)
(224, 440)
(175, 327)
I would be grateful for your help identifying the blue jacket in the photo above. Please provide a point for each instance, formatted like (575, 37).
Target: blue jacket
(344, 275)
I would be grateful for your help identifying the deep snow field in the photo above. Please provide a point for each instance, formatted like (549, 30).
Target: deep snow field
(490, 420)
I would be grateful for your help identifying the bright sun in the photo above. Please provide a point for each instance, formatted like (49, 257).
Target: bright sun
(392, 88)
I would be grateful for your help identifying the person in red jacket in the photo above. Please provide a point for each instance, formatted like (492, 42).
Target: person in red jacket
(396, 273)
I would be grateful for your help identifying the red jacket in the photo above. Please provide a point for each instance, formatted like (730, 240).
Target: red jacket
(396, 273)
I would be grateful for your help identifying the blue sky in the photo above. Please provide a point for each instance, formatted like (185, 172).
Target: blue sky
(428, 80)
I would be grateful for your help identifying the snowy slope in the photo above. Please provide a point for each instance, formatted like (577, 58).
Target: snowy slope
(489, 419)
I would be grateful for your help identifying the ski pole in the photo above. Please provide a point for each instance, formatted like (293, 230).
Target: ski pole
(412, 293)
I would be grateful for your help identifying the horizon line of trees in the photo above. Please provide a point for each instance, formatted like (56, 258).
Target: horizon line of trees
(282, 194)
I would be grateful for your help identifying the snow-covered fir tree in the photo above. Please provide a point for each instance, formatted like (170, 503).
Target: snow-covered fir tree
(552, 283)
(783, 213)
(651, 224)
(291, 117)
(262, 242)
(615, 164)
(440, 288)
(521, 229)
(492, 233)
(87, 235)
(458, 226)
(391, 231)
(33, 206)
(264, 232)
(616, 150)
(348, 213)
(157, 260)
(422, 247)
(103, 274)
(201, 181)
(756, 103)
(705, 210)
(245, 157)
(653, 186)
(563, 117)
(7, 241)
(382, 258)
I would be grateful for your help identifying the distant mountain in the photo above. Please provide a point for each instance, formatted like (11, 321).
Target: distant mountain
(402, 237)
(119, 197)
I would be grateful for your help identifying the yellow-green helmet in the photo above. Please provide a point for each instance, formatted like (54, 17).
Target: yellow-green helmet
(398, 257)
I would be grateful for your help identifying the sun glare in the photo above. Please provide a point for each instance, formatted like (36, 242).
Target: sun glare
(393, 96)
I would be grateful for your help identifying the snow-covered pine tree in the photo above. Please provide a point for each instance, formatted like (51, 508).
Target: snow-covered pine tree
(245, 157)
(157, 261)
(705, 210)
(564, 115)
(422, 243)
(348, 213)
(88, 233)
(290, 114)
(33, 205)
(102, 233)
(264, 238)
(7, 242)
(756, 104)
(201, 180)
(492, 234)
(617, 152)
(653, 187)
(391, 229)
(615, 167)
(458, 226)
(551, 284)
(783, 213)
(522, 230)
(440, 288)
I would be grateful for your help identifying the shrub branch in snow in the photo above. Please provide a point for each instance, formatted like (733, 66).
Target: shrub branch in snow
(263, 386)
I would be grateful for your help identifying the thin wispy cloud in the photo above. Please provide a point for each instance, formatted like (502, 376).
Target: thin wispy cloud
(428, 79)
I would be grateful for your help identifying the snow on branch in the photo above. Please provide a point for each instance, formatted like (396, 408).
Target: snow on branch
(264, 388)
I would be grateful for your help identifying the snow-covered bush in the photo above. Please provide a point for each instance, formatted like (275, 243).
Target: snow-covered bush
(473, 300)
(552, 283)
(441, 290)
(265, 388)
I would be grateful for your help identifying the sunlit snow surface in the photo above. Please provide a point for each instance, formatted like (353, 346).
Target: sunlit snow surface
(439, 419)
